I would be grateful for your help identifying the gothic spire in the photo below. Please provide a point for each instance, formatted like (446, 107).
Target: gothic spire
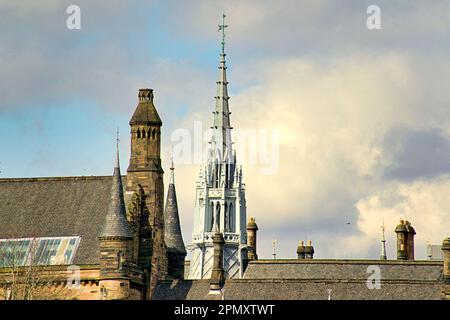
(221, 138)
(172, 229)
(116, 224)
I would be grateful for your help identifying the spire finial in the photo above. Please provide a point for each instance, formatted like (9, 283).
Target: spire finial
(117, 148)
(172, 169)
(274, 252)
(429, 250)
(222, 28)
(383, 243)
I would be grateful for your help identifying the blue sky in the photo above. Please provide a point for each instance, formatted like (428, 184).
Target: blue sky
(363, 115)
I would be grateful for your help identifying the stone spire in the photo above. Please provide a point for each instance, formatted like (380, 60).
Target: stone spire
(383, 244)
(116, 224)
(172, 229)
(176, 251)
(220, 205)
(115, 244)
(221, 146)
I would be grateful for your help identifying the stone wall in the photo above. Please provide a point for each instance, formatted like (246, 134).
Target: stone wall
(52, 284)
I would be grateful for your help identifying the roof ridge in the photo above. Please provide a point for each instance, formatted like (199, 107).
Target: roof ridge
(62, 178)
(346, 261)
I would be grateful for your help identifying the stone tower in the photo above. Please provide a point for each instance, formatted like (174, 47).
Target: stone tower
(176, 251)
(145, 190)
(220, 194)
(115, 245)
(405, 240)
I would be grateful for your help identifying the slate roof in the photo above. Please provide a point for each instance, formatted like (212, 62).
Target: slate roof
(172, 229)
(52, 207)
(145, 111)
(301, 279)
(297, 290)
(329, 269)
(115, 224)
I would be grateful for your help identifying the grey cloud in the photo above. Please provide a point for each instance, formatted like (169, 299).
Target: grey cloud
(416, 154)
(323, 222)
(292, 27)
(44, 63)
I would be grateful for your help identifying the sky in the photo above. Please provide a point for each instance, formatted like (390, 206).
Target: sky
(359, 119)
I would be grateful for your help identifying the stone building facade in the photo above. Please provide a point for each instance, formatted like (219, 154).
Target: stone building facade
(105, 233)
(145, 190)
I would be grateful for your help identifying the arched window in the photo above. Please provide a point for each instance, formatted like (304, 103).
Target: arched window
(227, 218)
(153, 134)
(211, 220)
(139, 134)
(231, 218)
(217, 175)
(227, 174)
(143, 133)
(218, 215)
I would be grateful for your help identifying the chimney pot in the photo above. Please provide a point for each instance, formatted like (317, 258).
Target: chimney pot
(218, 273)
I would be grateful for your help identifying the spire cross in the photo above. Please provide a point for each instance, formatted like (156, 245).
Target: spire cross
(222, 28)
(171, 158)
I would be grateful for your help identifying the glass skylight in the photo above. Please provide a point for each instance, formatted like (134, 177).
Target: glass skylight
(38, 251)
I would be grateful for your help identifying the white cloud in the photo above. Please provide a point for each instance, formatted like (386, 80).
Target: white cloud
(424, 203)
(333, 119)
